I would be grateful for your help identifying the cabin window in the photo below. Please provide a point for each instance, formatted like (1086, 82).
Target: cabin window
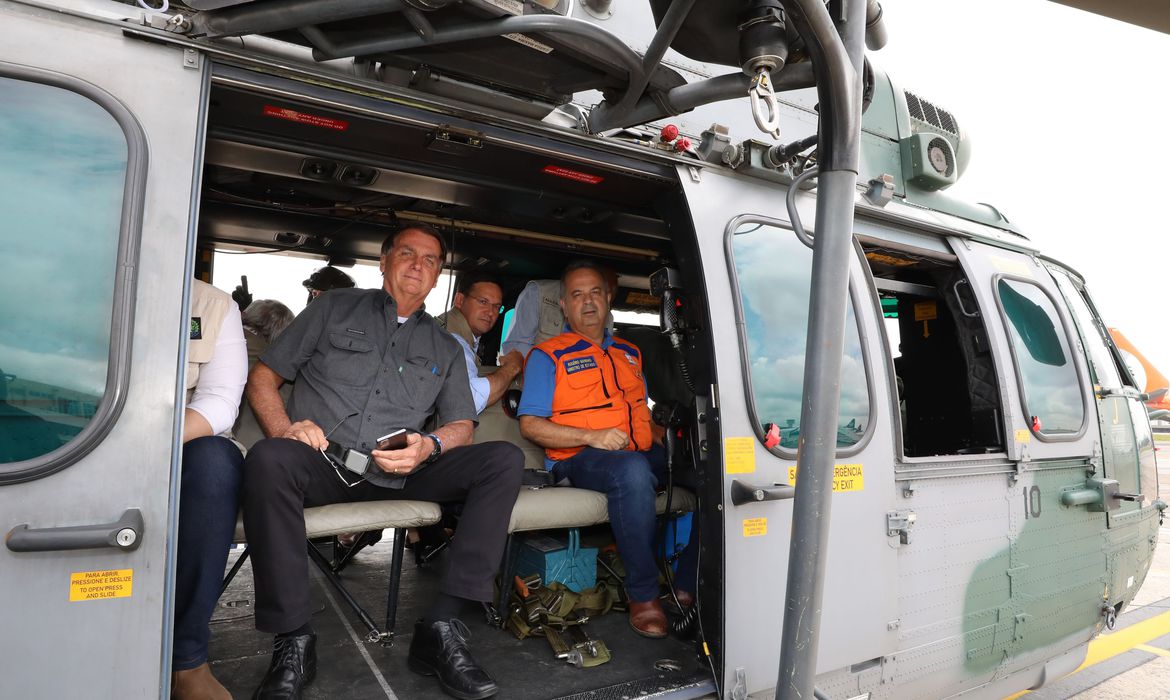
(63, 165)
(1106, 372)
(773, 271)
(1048, 375)
(944, 374)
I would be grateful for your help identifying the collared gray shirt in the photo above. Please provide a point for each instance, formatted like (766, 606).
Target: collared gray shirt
(359, 375)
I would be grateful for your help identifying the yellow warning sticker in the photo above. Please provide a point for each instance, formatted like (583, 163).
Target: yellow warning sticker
(99, 585)
(925, 311)
(754, 527)
(739, 455)
(1023, 435)
(846, 477)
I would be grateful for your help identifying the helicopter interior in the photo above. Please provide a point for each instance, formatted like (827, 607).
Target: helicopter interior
(293, 177)
(947, 389)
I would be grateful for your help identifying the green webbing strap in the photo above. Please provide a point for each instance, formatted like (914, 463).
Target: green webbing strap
(551, 611)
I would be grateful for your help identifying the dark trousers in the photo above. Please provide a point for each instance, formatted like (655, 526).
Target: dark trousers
(282, 477)
(208, 497)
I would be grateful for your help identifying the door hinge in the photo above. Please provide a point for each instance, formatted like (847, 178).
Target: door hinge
(899, 523)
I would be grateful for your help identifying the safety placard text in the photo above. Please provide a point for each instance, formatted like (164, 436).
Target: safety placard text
(100, 585)
(846, 477)
(754, 527)
(739, 455)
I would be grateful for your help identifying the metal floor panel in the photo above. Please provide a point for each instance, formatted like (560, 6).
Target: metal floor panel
(525, 670)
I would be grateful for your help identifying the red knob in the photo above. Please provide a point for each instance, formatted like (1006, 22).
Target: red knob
(669, 133)
(682, 144)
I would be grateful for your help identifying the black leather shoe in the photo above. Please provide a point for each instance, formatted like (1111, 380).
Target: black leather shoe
(294, 665)
(440, 649)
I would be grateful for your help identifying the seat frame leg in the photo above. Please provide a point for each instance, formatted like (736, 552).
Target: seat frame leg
(227, 580)
(375, 635)
(395, 580)
(507, 573)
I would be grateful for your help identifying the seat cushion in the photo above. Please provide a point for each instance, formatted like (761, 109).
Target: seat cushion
(564, 506)
(337, 518)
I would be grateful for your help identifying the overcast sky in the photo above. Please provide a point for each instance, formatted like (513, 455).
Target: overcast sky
(1067, 113)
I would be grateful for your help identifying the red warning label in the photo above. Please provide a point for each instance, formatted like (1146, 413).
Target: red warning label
(577, 175)
(301, 118)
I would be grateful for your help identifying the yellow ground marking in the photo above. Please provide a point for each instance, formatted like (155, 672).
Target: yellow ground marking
(1112, 644)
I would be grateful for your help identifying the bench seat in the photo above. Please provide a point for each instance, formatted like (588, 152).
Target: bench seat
(552, 507)
(338, 518)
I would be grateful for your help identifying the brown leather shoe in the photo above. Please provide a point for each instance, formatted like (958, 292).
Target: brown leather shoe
(197, 684)
(647, 619)
(685, 599)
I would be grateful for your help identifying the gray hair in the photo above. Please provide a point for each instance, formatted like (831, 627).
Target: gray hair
(267, 318)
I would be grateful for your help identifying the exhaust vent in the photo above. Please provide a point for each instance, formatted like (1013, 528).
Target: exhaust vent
(930, 113)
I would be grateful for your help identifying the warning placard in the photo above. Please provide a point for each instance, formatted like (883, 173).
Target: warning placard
(925, 311)
(739, 455)
(846, 477)
(754, 527)
(99, 585)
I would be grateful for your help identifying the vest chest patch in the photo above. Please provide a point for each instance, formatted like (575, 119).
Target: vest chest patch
(579, 364)
(196, 328)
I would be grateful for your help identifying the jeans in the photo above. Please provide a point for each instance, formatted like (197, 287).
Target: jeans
(629, 481)
(208, 501)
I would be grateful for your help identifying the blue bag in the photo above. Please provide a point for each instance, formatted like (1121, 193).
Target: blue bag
(555, 559)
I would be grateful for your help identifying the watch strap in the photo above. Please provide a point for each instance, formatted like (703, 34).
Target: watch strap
(438, 451)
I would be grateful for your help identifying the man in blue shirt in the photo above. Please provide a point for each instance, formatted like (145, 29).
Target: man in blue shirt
(475, 310)
(585, 402)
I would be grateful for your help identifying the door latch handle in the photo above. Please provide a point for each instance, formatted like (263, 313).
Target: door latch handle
(125, 534)
(742, 493)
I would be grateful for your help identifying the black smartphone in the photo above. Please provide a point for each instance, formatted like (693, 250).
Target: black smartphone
(393, 441)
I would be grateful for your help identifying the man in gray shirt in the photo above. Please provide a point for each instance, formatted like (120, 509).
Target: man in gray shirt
(366, 363)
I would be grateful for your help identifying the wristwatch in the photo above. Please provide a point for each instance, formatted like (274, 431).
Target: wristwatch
(435, 452)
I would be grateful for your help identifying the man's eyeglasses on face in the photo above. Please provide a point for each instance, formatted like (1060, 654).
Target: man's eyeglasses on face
(488, 304)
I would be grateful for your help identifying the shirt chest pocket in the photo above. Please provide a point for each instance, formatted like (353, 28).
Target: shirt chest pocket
(350, 361)
(423, 380)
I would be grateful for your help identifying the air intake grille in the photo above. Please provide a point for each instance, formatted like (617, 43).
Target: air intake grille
(932, 114)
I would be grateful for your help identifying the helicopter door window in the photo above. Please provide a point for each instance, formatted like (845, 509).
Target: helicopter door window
(1048, 377)
(1101, 360)
(773, 272)
(64, 160)
(944, 374)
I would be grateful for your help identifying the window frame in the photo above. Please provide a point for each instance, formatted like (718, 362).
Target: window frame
(745, 361)
(125, 273)
(1074, 355)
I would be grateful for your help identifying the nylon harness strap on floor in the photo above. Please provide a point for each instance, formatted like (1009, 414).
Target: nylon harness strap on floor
(558, 614)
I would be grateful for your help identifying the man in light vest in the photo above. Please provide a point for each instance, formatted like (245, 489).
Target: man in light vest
(475, 310)
(585, 402)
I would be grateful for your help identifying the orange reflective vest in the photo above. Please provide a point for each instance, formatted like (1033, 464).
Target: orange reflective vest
(598, 388)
